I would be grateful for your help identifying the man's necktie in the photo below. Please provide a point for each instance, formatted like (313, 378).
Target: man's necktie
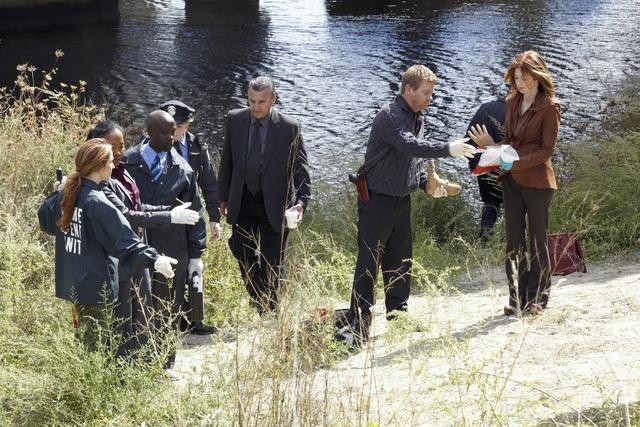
(254, 160)
(156, 169)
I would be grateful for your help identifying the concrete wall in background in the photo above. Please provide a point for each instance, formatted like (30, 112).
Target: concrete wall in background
(26, 14)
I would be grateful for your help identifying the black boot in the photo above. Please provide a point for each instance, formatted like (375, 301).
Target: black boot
(488, 220)
(199, 328)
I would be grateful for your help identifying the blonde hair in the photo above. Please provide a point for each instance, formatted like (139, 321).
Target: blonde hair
(532, 63)
(92, 155)
(415, 75)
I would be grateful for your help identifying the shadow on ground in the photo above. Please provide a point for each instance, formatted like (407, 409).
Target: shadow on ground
(605, 415)
(427, 346)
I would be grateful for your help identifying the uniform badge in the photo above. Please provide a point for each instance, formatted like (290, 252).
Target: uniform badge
(171, 110)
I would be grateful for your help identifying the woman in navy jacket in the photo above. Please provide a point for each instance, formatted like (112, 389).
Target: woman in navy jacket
(91, 234)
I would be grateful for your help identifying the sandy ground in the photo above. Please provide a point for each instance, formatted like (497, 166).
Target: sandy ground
(457, 360)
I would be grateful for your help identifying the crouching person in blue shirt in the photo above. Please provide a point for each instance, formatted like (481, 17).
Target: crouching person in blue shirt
(91, 236)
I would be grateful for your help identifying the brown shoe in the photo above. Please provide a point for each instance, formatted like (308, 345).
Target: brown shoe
(434, 181)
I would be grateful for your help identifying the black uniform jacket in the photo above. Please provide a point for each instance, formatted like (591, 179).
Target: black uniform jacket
(200, 162)
(177, 184)
(285, 175)
(85, 269)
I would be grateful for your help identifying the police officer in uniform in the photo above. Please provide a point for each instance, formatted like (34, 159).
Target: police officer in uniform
(197, 155)
(491, 116)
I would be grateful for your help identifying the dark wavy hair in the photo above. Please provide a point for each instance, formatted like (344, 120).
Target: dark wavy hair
(103, 128)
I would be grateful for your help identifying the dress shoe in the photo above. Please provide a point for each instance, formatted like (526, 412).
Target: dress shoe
(510, 311)
(199, 328)
(185, 325)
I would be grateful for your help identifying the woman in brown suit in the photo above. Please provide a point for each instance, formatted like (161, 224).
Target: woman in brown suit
(531, 127)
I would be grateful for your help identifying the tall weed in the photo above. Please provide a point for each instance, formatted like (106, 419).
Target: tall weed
(261, 371)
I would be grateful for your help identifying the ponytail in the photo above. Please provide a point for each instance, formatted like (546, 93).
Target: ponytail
(69, 197)
(91, 156)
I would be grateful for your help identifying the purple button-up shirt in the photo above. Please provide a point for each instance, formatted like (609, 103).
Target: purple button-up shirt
(120, 173)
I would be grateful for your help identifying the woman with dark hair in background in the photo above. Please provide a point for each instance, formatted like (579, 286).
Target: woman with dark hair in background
(89, 232)
(135, 298)
(531, 127)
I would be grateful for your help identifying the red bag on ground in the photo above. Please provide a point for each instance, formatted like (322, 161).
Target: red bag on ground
(565, 254)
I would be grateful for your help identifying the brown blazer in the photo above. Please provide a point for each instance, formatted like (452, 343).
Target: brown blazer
(534, 137)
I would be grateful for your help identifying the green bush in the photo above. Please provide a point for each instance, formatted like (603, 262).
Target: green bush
(599, 186)
(600, 200)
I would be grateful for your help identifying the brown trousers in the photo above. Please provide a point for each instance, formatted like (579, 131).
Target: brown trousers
(526, 211)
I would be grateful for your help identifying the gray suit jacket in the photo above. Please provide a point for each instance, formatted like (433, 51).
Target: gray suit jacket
(285, 174)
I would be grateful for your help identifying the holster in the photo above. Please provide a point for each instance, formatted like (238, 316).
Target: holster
(360, 180)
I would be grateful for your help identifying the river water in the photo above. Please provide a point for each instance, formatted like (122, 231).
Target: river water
(335, 62)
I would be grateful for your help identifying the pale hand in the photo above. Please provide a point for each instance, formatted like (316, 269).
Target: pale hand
(163, 266)
(459, 149)
(480, 136)
(216, 231)
(59, 185)
(300, 210)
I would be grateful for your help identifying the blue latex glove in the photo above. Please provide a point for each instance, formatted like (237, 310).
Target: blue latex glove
(505, 165)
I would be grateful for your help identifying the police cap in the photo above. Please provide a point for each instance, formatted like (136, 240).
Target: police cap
(180, 111)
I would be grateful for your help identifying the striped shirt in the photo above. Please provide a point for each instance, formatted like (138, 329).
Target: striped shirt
(396, 150)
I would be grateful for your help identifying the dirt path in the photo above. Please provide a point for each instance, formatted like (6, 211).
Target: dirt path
(456, 360)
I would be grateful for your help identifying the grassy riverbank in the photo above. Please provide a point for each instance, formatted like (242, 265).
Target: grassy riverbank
(266, 371)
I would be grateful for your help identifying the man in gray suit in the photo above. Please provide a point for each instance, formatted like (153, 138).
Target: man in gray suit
(263, 172)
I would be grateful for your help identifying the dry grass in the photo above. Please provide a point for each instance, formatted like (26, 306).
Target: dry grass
(452, 360)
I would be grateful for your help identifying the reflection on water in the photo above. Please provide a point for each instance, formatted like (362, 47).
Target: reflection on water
(336, 61)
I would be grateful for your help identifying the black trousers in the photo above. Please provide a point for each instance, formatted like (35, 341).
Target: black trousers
(526, 210)
(133, 312)
(490, 189)
(168, 299)
(491, 195)
(260, 252)
(384, 239)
